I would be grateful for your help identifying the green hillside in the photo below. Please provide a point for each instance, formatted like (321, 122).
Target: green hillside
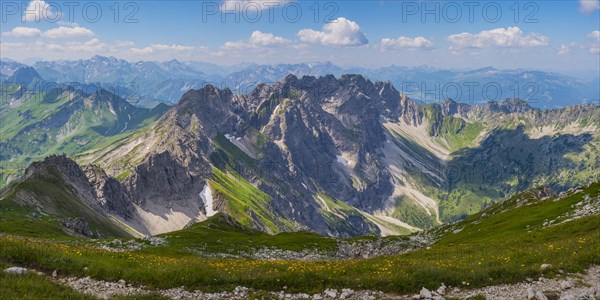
(506, 242)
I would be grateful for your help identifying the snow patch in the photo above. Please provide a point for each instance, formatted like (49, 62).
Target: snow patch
(110, 107)
(207, 199)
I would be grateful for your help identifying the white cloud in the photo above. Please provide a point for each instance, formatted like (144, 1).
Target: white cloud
(340, 32)
(39, 10)
(563, 50)
(595, 47)
(406, 43)
(63, 32)
(55, 50)
(240, 6)
(588, 6)
(23, 32)
(257, 40)
(51, 49)
(161, 48)
(511, 37)
(266, 39)
(235, 45)
(92, 46)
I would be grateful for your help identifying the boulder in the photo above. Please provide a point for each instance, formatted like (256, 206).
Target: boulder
(15, 270)
(441, 290)
(425, 293)
(540, 296)
(331, 293)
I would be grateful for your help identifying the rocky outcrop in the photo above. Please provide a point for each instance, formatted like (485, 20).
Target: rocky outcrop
(110, 193)
(77, 225)
(329, 153)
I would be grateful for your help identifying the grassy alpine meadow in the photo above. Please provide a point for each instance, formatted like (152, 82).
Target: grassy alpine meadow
(33, 286)
(505, 243)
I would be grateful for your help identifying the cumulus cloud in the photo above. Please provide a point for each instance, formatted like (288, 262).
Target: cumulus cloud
(266, 39)
(340, 32)
(588, 6)
(55, 50)
(251, 5)
(92, 46)
(258, 39)
(406, 43)
(511, 37)
(39, 10)
(63, 32)
(161, 48)
(23, 32)
(593, 45)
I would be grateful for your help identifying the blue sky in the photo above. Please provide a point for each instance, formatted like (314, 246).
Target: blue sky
(549, 35)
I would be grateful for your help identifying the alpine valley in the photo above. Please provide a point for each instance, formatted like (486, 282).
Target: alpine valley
(337, 156)
(310, 184)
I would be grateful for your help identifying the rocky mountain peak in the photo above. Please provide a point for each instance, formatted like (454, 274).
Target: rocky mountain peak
(306, 82)
(214, 108)
(290, 79)
(208, 94)
(355, 80)
(509, 106)
(60, 165)
(24, 75)
(451, 107)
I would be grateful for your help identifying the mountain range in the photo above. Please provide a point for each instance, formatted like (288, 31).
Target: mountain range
(340, 156)
(147, 83)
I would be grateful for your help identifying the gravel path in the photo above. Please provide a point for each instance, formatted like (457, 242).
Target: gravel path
(567, 287)
(573, 286)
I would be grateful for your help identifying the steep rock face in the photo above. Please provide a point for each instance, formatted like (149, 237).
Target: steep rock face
(410, 112)
(305, 140)
(67, 171)
(341, 157)
(508, 106)
(167, 202)
(306, 125)
(331, 131)
(59, 188)
(214, 109)
(110, 193)
(453, 108)
(162, 180)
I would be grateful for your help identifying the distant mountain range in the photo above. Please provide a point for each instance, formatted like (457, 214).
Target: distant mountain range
(147, 83)
(341, 156)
